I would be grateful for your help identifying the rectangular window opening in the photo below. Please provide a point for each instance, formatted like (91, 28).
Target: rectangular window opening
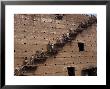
(81, 46)
(71, 71)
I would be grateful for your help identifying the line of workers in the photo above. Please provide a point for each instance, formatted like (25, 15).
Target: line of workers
(52, 49)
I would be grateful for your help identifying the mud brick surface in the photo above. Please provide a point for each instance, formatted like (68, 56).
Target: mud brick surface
(32, 32)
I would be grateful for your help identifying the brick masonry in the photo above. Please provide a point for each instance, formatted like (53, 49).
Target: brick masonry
(32, 32)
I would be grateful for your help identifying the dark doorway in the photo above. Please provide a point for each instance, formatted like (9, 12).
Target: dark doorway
(81, 46)
(71, 71)
(89, 72)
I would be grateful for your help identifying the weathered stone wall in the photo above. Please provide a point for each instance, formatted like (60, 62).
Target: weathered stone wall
(33, 32)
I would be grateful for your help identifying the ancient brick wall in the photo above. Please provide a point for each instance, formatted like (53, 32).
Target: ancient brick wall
(32, 32)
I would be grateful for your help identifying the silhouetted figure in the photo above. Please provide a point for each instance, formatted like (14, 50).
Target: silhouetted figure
(32, 59)
(58, 43)
(25, 62)
(18, 70)
(90, 21)
(61, 41)
(42, 55)
(54, 49)
(64, 38)
(83, 25)
(94, 19)
(49, 48)
(79, 30)
(68, 37)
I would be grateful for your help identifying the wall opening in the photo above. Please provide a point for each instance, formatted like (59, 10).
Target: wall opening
(81, 46)
(59, 16)
(71, 71)
(89, 72)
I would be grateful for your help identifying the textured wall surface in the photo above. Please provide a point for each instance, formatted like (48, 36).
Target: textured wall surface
(32, 32)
